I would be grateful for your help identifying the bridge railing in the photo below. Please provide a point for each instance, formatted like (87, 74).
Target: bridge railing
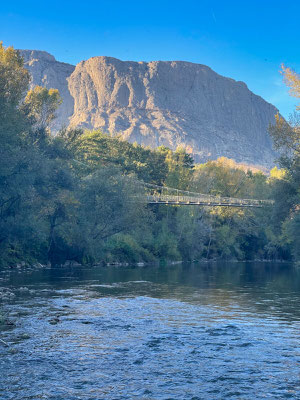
(166, 195)
(209, 200)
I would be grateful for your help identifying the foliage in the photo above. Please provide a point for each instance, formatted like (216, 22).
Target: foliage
(224, 177)
(286, 137)
(14, 80)
(292, 80)
(180, 167)
(42, 104)
(277, 173)
(94, 148)
(76, 196)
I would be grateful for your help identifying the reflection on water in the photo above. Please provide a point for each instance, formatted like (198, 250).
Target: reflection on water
(202, 331)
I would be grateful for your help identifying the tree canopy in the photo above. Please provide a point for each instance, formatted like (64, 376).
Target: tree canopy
(75, 196)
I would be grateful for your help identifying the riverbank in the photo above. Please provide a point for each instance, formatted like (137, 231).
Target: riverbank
(23, 265)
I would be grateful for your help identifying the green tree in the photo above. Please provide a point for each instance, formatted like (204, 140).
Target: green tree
(286, 136)
(41, 104)
(14, 80)
(28, 171)
(180, 167)
(109, 205)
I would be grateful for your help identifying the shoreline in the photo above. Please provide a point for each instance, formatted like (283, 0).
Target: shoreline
(141, 264)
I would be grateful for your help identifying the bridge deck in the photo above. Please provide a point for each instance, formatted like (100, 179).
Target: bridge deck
(205, 200)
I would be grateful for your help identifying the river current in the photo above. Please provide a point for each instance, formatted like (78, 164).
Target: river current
(195, 331)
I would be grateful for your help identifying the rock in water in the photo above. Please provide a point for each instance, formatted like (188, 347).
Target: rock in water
(169, 103)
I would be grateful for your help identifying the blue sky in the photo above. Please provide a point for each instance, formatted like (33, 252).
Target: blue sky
(244, 40)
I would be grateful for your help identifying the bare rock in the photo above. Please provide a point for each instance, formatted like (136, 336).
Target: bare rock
(47, 72)
(171, 103)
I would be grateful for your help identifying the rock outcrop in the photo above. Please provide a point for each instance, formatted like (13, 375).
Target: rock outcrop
(157, 103)
(46, 71)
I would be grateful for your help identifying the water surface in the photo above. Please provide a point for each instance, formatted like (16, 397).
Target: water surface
(202, 331)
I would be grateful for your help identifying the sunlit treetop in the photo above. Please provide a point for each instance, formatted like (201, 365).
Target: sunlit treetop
(292, 80)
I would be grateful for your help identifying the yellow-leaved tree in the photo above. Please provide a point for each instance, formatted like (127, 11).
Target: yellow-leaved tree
(292, 80)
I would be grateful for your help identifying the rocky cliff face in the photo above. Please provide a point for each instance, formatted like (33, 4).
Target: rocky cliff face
(161, 103)
(46, 71)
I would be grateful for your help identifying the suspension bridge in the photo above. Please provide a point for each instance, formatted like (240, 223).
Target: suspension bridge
(170, 196)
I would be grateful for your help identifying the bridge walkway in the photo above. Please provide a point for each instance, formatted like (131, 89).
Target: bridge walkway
(171, 196)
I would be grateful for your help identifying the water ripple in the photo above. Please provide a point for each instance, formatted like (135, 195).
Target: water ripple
(133, 337)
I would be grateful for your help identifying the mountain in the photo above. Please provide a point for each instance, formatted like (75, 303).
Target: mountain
(169, 103)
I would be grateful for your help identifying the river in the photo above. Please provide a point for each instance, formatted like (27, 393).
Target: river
(188, 331)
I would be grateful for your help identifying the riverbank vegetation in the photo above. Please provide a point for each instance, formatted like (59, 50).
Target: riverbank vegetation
(75, 196)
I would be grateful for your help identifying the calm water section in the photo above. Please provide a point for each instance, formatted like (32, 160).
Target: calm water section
(202, 331)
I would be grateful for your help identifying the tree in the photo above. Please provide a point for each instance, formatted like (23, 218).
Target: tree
(14, 80)
(15, 182)
(109, 204)
(93, 149)
(286, 136)
(222, 177)
(42, 104)
(28, 174)
(180, 167)
(292, 80)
